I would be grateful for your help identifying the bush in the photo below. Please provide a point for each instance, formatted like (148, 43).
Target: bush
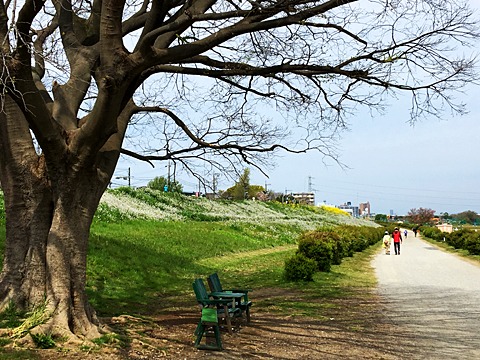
(359, 238)
(432, 233)
(457, 238)
(472, 243)
(319, 246)
(348, 238)
(328, 246)
(299, 267)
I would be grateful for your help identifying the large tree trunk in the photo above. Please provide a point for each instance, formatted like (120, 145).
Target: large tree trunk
(48, 218)
(46, 253)
(45, 258)
(66, 259)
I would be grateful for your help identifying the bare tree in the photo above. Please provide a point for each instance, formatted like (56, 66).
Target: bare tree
(212, 78)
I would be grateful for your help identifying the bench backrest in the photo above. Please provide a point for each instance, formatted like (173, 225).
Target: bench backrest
(214, 283)
(200, 290)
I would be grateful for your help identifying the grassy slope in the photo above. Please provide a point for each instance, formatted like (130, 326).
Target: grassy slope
(147, 247)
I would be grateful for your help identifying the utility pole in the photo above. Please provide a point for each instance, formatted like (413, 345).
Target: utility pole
(128, 178)
(214, 184)
(266, 190)
(168, 179)
(310, 184)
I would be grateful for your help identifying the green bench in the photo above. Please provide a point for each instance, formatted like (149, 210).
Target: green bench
(240, 296)
(224, 307)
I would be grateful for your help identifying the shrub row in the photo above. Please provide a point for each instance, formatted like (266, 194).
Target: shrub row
(320, 249)
(462, 239)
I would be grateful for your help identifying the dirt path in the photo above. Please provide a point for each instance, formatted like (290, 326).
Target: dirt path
(353, 329)
(434, 297)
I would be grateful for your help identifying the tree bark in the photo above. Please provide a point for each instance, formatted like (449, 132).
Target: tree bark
(66, 259)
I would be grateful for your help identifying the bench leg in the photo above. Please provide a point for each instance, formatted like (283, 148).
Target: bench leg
(199, 332)
(228, 320)
(203, 332)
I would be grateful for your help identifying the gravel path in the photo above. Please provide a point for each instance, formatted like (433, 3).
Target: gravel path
(433, 298)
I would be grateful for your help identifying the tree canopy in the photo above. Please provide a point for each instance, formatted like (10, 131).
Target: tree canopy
(215, 77)
(243, 189)
(164, 184)
(469, 217)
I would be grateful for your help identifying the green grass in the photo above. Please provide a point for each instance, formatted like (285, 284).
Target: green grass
(133, 263)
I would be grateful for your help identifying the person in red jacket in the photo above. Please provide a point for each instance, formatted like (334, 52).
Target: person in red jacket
(397, 240)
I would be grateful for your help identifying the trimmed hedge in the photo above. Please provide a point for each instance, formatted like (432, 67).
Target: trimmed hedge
(432, 233)
(462, 239)
(327, 247)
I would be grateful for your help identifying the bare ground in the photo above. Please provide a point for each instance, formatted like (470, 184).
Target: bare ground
(352, 329)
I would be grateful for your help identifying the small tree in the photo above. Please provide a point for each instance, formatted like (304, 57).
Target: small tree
(160, 182)
(243, 185)
(241, 189)
(420, 216)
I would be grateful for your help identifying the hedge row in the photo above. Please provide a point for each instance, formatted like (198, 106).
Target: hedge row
(462, 239)
(320, 249)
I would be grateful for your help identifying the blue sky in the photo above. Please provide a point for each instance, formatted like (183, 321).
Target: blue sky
(392, 164)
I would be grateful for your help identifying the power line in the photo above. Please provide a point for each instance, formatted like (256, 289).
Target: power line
(404, 188)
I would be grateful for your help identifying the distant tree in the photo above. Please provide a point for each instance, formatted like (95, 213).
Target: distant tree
(420, 216)
(469, 217)
(381, 217)
(243, 190)
(239, 191)
(242, 186)
(160, 182)
(232, 193)
(445, 216)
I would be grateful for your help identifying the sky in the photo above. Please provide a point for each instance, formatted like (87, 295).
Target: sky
(393, 165)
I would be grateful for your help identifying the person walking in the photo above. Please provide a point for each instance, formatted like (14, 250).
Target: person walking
(405, 233)
(386, 243)
(397, 240)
